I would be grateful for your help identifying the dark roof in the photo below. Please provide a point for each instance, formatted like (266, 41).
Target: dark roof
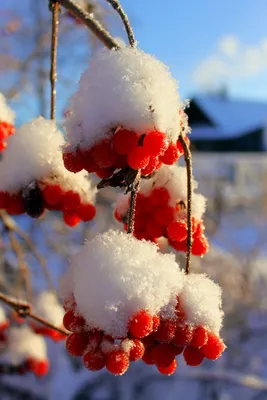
(231, 118)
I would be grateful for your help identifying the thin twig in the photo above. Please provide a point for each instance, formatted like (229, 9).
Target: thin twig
(117, 6)
(131, 213)
(11, 224)
(24, 270)
(24, 310)
(54, 43)
(189, 171)
(102, 34)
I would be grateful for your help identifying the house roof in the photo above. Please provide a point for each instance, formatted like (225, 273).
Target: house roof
(231, 118)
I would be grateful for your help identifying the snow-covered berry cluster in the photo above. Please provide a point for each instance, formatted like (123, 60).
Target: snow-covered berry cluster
(24, 347)
(47, 307)
(33, 177)
(124, 116)
(7, 117)
(125, 301)
(161, 210)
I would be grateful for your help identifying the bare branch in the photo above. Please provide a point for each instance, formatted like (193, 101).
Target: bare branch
(131, 214)
(117, 6)
(54, 43)
(189, 171)
(24, 310)
(99, 31)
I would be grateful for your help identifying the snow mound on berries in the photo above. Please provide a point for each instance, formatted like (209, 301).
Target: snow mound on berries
(23, 344)
(128, 88)
(174, 179)
(6, 114)
(201, 301)
(114, 275)
(34, 153)
(2, 316)
(48, 307)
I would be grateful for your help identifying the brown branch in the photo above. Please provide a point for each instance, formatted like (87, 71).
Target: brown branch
(131, 213)
(189, 171)
(54, 43)
(117, 7)
(99, 31)
(10, 224)
(25, 310)
(23, 268)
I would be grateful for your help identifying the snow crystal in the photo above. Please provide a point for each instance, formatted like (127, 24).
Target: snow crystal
(114, 275)
(6, 114)
(2, 316)
(128, 88)
(23, 343)
(47, 306)
(34, 153)
(201, 301)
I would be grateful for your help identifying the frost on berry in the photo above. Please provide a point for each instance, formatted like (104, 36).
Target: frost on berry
(104, 102)
(23, 344)
(117, 278)
(117, 362)
(33, 175)
(46, 306)
(214, 347)
(201, 302)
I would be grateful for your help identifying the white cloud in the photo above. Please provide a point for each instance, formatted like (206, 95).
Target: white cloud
(231, 60)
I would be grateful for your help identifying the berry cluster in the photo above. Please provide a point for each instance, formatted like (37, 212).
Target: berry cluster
(6, 130)
(34, 200)
(4, 322)
(124, 149)
(155, 218)
(152, 338)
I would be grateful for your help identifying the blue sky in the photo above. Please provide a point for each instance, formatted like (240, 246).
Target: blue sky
(186, 34)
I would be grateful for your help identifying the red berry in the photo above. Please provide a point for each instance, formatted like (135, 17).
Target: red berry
(200, 337)
(73, 322)
(159, 196)
(153, 230)
(117, 362)
(155, 143)
(177, 350)
(198, 228)
(147, 357)
(183, 336)
(94, 339)
(71, 218)
(94, 360)
(193, 356)
(138, 158)
(104, 173)
(103, 154)
(171, 155)
(76, 344)
(89, 163)
(120, 162)
(137, 350)
(73, 161)
(214, 347)
(164, 215)
(166, 331)
(179, 147)
(169, 370)
(15, 205)
(156, 323)
(71, 200)
(200, 246)
(179, 246)
(177, 231)
(53, 194)
(87, 212)
(125, 141)
(141, 324)
(143, 204)
(3, 145)
(163, 354)
(4, 198)
(152, 166)
(39, 368)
